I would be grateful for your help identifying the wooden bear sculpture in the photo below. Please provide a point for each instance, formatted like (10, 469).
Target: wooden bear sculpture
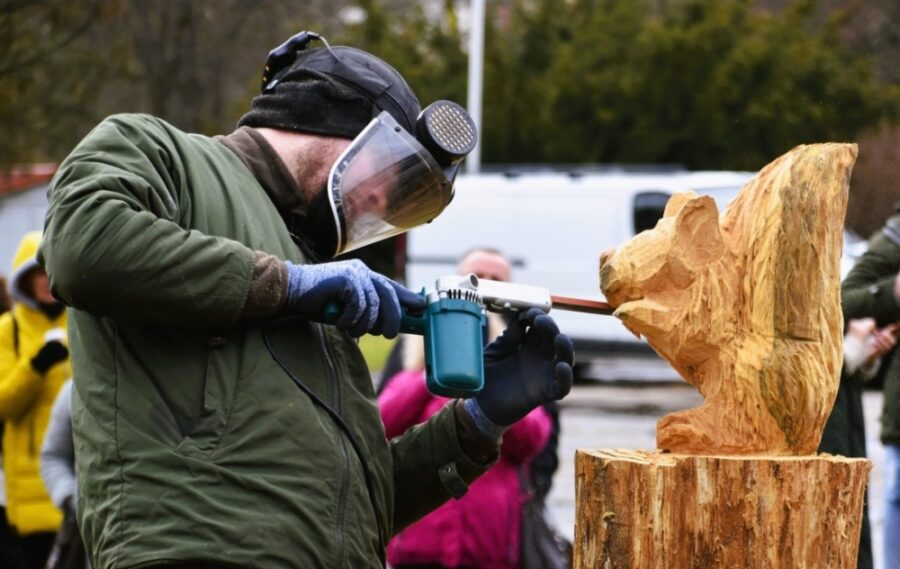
(746, 309)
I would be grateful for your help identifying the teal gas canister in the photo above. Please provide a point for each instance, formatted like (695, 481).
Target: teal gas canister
(453, 330)
(452, 325)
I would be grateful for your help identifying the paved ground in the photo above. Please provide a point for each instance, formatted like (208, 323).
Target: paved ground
(603, 416)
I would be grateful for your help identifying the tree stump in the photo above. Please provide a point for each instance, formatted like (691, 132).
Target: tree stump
(653, 510)
(747, 309)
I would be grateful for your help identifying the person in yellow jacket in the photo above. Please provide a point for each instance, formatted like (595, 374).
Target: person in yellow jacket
(34, 364)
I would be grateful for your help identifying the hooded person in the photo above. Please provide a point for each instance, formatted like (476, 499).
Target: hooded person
(218, 420)
(34, 364)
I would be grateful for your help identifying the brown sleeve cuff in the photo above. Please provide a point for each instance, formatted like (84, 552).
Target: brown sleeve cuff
(479, 448)
(268, 287)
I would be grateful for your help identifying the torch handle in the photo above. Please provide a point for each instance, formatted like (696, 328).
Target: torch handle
(581, 305)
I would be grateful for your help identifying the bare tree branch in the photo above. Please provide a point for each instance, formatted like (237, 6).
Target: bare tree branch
(37, 54)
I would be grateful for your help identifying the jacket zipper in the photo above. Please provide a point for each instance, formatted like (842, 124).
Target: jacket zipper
(345, 462)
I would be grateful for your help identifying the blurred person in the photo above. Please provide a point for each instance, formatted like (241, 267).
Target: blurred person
(492, 264)
(34, 363)
(845, 429)
(864, 346)
(199, 272)
(872, 290)
(10, 548)
(58, 473)
(482, 528)
(488, 263)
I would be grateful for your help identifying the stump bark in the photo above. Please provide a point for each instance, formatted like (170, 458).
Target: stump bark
(641, 509)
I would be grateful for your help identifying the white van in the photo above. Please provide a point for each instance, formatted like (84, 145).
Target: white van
(553, 226)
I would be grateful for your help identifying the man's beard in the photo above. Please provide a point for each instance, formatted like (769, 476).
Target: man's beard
(365, 225)
(318, 231)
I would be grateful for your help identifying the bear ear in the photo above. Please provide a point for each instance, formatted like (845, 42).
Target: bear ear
(697, 240)
(677, 201)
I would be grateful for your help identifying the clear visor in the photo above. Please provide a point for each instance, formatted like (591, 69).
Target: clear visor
(383, 184)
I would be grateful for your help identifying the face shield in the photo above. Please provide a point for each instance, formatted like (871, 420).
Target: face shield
(387, 182)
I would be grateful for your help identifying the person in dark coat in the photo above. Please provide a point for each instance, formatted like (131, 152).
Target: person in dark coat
(845, 430)
(872, 290)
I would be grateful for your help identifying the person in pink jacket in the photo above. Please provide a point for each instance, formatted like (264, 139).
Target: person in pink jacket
(480, 530)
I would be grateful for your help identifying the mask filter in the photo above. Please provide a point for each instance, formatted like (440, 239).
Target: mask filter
(447, 131)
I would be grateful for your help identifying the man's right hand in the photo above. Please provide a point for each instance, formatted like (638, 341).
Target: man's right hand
(370, 302)
(526, 367)
(50, 354)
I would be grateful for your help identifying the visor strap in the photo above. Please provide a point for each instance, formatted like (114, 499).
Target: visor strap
(377, 94)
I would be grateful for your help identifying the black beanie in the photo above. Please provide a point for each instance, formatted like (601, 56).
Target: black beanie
(306, 99)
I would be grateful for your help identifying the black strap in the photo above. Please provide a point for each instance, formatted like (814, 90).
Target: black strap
(15, 336)
(452, 481)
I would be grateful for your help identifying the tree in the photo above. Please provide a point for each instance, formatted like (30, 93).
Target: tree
(48, 73)
(64, 65)
(875, 187)
(704, 84)
(425, 50)
(196, 63)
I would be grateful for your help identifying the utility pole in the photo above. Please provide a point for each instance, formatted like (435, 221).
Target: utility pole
(476, 65)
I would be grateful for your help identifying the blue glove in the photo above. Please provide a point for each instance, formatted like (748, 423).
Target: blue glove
(370, 302)
(526, 367)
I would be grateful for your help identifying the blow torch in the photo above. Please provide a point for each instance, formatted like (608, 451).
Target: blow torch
(453, 323)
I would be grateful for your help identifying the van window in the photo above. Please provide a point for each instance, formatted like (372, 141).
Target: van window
(648, 209)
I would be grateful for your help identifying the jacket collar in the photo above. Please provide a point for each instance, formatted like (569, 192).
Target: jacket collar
(270, 171)
(310, 223)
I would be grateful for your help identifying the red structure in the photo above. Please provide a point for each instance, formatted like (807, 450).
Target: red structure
(19, 178)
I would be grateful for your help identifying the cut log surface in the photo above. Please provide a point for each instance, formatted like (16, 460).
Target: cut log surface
(747, 309)
(643, 509)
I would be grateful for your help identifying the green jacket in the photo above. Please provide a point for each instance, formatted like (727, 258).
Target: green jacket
(868, 291)
(191, 441)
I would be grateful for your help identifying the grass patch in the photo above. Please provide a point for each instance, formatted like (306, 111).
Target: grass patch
(376, 350)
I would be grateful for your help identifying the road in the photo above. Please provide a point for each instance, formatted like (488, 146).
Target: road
(604, 416)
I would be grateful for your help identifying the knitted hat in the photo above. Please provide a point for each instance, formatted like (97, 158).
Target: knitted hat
(333, 92)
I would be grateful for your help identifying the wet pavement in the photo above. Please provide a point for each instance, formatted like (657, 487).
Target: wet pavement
(609, 416)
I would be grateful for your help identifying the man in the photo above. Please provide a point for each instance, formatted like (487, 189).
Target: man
(34, 364)
(872, 290)
(217, 423)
